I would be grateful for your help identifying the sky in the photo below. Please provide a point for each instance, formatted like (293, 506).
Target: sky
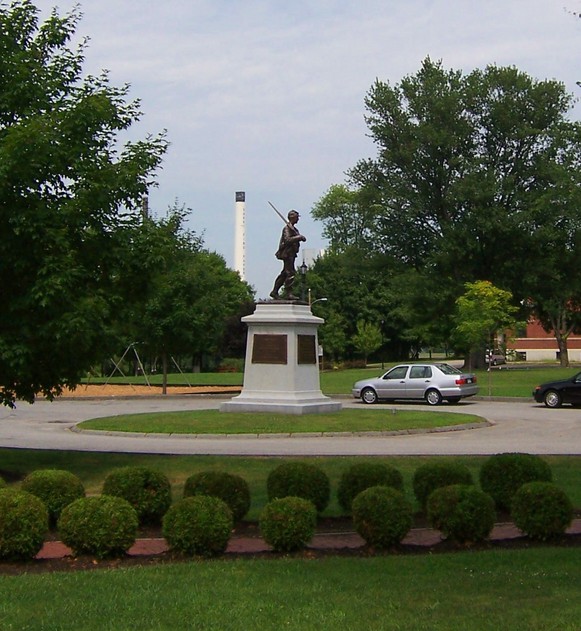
(267, 96)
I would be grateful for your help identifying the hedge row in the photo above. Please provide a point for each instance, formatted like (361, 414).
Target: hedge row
(201, 523)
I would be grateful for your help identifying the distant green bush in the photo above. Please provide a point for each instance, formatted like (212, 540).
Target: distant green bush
(382, 516)
(501, 475)
(102, 526)
(23, 524)
(300, 479)
(231, 364)
(199, 525)
(462, 512)
(363, 475)
(56, 488)
(230, 488)
(434, 475)
(350, 364)
(541, 510)
(288, 523)
(147, 490)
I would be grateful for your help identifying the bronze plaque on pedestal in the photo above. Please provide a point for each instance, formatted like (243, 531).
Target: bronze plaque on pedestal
(306, 347)
(269, 349)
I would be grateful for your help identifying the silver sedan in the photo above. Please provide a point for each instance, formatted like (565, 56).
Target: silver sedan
(431, 382)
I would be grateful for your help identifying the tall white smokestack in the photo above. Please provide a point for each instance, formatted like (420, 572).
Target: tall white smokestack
(240, 235)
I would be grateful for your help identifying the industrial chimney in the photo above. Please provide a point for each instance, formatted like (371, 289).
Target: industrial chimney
(240, 235)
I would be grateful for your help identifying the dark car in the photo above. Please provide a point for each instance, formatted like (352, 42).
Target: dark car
(495, 359)
(554, 393)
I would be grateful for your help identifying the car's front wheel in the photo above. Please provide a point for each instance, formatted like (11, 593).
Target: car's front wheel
(433, 397)
(368, 395)
(552, 399)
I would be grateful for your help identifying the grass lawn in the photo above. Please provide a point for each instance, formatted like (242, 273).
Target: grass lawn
(513, 382)
(92, 468)
(215, 422)
(521, 590)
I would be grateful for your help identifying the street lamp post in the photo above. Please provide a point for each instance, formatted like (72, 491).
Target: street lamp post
(303, 272)
(311, 303)
(382, 342)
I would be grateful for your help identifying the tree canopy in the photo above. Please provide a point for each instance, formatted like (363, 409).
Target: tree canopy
(476, 176)
(483, 311)
(67, 184)
(187, 293)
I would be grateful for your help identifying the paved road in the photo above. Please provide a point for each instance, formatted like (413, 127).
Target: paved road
(516, 426)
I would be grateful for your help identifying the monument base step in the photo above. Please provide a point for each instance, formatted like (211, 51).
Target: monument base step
(321, 406)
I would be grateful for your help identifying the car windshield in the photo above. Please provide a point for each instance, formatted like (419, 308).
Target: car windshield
(449, 370)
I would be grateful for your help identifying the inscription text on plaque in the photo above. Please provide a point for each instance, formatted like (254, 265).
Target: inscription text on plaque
(306, 349)
(269, 349)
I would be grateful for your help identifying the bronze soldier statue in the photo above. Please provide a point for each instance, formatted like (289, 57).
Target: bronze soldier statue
(288, 248)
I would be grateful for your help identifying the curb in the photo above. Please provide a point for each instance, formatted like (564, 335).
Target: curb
(368, 434)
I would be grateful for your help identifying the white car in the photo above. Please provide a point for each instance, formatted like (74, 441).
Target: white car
(431, 382)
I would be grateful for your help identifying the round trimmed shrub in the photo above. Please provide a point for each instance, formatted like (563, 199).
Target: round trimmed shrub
(462, 512)
(102, 526)
(434, 475)
(288, 523)
(232, 489)
(502, 475)
(541, 510)
(23, 524)
(198, 525)
(300, 479)
(382, 516)
(56, 488)
(147, 490)
(363, 475)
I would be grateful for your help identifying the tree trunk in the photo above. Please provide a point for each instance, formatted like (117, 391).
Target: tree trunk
(562, 333)
(474, 360)
(563, 349)
(164, 368)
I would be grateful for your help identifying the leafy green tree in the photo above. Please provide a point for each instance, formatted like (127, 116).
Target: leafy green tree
(557, 316)
(459, 165)
(179, 296)
(422, 308)
(67, 185)
(188, 306)
(555, 295)
(332, 336)
(347, 220)
(482, 311)
(358, 286)
(368, 338)
(234, 340)
(471, 177)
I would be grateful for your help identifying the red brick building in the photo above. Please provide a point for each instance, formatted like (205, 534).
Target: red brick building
(538, 345)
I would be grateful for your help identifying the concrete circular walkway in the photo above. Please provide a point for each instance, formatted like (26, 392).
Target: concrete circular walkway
(515, 426)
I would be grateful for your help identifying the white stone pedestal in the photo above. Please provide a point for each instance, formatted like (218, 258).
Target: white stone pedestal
(282, 365)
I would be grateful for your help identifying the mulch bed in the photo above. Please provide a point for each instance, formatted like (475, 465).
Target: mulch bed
(105, 391)
(334, 537)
